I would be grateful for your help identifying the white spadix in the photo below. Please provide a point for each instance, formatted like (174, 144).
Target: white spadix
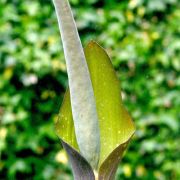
(81, 91)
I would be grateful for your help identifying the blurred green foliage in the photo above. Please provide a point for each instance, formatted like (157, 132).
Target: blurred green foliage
(141, 36)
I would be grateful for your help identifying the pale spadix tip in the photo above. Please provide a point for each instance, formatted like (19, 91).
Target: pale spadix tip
(81, 91)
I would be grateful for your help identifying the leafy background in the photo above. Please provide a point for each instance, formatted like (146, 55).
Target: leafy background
(142, 38)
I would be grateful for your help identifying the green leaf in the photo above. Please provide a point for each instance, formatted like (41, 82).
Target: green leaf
(116, 126)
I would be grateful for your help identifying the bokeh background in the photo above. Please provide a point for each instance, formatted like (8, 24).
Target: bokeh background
(142, 38)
